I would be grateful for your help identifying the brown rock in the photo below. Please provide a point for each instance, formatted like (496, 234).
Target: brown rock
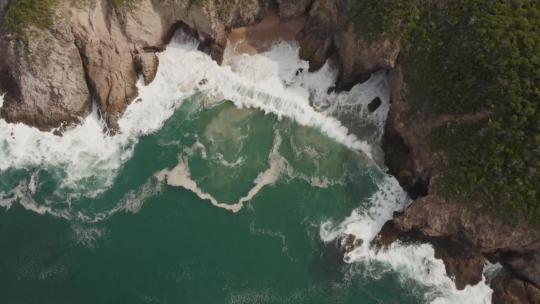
(374, 104)
(348, 242)
(465, 268)
(361, 57)
(146, 64)
(91, 49)
(43, 78)
(293, 8)
(512, 290)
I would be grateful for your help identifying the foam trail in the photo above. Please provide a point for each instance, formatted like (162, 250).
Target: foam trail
(415, 263)
(89, 160)
(180, 176)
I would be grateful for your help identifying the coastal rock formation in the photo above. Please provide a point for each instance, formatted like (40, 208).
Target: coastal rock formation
(511, 290)
(96, 50)
(462, 234)
(44, 79)
(329, 30)
(291, 9)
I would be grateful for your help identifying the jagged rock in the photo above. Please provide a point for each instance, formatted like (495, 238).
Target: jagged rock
(409, 158)
(329, 31)
(317, 39)
(43, 78)
(523, 263)
(291, 8)
(374, 104)
(512, 290)
(463, 265)
(360, 57)
(348, 242)
(147, 64)
(94, 49)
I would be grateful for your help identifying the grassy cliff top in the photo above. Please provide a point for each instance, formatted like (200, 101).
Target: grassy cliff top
(474, 57)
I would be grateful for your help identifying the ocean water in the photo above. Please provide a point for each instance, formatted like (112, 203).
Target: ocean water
(226, 184)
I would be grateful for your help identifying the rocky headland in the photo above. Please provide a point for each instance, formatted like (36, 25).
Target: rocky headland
(97, 51)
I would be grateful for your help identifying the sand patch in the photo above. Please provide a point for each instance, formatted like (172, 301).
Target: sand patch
(260, 37)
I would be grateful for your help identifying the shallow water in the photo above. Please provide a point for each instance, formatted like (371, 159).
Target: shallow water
(226, 185)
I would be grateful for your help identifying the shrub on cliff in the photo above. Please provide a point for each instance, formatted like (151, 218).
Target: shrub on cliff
(474, 57)
(20, 14)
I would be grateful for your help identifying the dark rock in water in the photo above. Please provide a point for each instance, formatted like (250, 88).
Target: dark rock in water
(524, 264)
(299, 71)
(388, 235)
(331, 90)
(203, 81)
(374, 105)
(146, 64)
(512, 290)
(464, 269)
(291, 9)
(464, 266)
(348, 242)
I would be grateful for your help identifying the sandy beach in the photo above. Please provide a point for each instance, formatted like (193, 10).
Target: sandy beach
(260, 37)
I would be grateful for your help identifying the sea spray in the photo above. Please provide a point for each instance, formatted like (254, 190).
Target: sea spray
(87, 161)
(414, 262)
(180, 176)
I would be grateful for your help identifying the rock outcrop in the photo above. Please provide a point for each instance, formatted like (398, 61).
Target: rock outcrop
(96, 51)
(462, 234)
(511, 290)
(329, 31)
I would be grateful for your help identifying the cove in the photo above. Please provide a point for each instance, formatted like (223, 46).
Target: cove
(93, 218)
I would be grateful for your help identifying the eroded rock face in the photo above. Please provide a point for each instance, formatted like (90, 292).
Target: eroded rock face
(96, 50)
(44, 79)
(146, 64)
(347, 243)
(431, 218)
(291, 9)
(512, 290)
(329, 32)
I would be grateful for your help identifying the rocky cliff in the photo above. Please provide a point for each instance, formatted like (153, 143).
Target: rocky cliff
(464, 234)
(97, 50)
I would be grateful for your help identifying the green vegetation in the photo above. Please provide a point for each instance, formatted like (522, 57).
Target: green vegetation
(374, 17)
(475, 57)
(129, 4)
(20, 14)
(492, 63)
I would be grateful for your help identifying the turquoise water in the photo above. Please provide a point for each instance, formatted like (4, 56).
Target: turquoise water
(203, 198)
(177, 248)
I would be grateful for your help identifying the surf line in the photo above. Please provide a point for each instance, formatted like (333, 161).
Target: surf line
(180, 176)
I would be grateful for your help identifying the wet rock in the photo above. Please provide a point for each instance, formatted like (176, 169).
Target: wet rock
(93, 51)
(203, 81)
(464, 265)
(512, 290)
(146, 64)
(348, 242)
(464, 268)
(293, 8)
(374, 105)
(387, 236)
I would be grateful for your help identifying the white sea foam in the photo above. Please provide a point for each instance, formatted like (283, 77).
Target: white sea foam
(275, 82)
(416, 263)
(180, 176)
(90, 159)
